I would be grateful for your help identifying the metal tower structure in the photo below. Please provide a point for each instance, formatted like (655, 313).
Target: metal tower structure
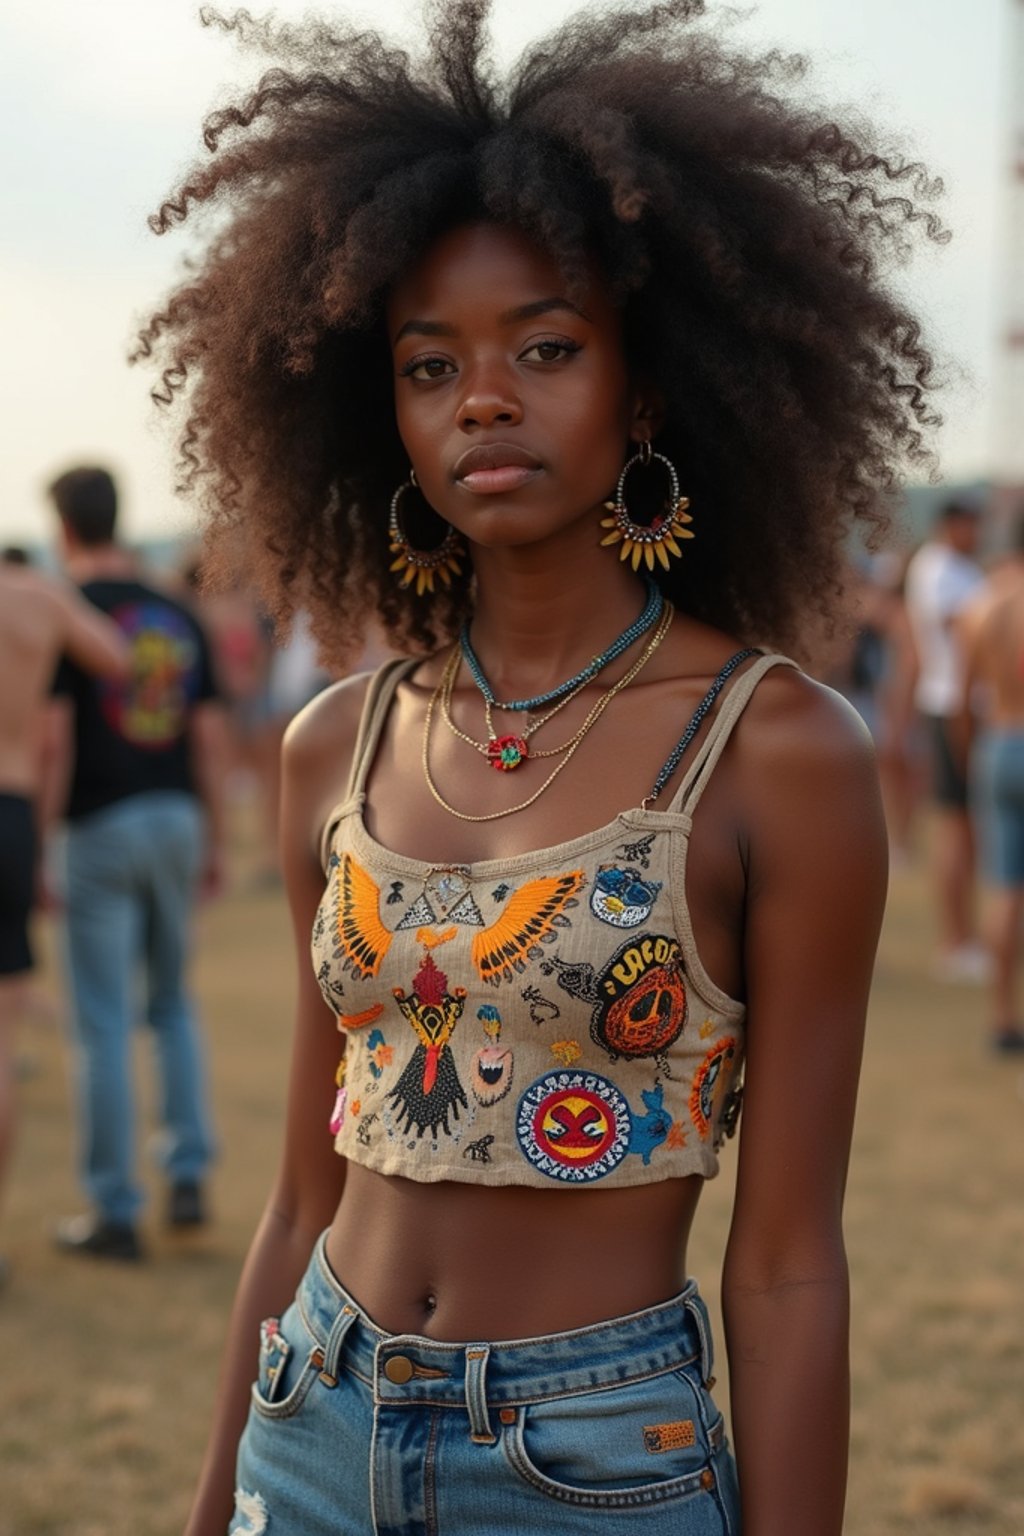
(1009, 401)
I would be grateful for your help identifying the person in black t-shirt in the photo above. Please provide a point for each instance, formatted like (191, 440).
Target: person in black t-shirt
(144, 837)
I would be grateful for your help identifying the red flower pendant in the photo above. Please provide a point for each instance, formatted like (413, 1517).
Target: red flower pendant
(506, 752)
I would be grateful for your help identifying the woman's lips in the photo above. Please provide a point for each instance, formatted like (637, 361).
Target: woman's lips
(504, 477)
(488, 468)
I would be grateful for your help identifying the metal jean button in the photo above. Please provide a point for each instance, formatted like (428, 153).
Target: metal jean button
(399, 1369)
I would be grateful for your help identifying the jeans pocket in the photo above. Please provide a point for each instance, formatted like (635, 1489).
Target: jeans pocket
(288, 1364)
(644, 1442)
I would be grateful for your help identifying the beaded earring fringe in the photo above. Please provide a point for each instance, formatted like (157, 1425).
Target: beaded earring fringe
(658, 539)
(421, 565)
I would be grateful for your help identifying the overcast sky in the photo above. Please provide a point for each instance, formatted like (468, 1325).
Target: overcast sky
(100, 106)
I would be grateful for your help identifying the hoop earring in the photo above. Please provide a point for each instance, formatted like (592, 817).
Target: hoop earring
(421, 565)
(658, 538)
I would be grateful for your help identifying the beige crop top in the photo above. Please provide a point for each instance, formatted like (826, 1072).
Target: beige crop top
(543, 1019)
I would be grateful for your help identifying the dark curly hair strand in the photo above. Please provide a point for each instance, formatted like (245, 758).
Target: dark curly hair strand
(747, 238)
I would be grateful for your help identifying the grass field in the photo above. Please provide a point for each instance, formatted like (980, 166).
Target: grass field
(106, 1373)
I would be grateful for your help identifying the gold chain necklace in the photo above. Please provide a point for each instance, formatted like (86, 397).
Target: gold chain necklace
(487, 748)
(595, 714)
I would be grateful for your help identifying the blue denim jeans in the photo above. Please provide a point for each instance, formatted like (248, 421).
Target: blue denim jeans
(132, 870)
(608, 1429)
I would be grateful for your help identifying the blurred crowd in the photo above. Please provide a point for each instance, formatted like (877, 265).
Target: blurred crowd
(932, 657)
(138, 711)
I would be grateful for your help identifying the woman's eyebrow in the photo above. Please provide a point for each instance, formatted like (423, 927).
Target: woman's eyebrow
(507, 317)
(540, 307)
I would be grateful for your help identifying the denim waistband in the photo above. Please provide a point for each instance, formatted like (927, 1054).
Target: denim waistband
(408, 1368)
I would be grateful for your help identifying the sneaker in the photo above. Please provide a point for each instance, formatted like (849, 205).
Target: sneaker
(99, 1238)
(185, 1205)
(969, 963)
(1007, 1042)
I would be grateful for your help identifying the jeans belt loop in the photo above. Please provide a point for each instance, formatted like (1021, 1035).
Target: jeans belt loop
(332, 1349)
(698, 1311)
(480, 1431)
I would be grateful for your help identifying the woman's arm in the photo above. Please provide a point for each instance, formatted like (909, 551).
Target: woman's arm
(308, 1186)
(816, 862)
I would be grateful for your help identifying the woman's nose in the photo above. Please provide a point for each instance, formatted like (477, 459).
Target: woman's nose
(488, 402)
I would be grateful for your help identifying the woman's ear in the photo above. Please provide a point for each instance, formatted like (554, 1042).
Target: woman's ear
(648, 414)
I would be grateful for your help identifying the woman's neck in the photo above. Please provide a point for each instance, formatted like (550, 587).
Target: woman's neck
(537, 623)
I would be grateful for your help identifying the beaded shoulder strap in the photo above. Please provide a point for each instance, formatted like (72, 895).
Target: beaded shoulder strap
(380, 690)
(738, 697)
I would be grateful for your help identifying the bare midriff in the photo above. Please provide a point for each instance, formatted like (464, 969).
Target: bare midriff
(463, 1262)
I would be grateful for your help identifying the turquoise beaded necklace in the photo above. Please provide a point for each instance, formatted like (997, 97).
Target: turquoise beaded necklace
(641, 624)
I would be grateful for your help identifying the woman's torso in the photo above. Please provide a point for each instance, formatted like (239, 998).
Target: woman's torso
(462, 1260)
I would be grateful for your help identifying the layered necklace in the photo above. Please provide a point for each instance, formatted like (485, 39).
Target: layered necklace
(442, 695)
(506, 752)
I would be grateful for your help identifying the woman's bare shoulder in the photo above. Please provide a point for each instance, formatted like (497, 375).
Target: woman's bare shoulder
(792, 714)
(328, 724)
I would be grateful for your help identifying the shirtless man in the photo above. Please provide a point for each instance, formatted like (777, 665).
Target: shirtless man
(40, 619)
(994, 696)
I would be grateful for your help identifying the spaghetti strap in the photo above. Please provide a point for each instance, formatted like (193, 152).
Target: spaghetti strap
(380, 690)
(696, 778)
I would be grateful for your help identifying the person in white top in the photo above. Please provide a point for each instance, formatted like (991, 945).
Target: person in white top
(941, 580)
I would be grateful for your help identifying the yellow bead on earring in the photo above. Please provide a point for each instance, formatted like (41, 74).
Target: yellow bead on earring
(658, 538)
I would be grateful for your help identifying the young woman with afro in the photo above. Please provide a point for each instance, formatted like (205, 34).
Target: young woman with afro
(577, 379)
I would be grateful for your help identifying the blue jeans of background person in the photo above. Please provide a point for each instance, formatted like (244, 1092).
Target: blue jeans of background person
(607, 1429)
(998, 766)
(132, 871)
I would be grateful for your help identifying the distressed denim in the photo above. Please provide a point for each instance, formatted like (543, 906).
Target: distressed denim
(608, 1429)
(132, 870)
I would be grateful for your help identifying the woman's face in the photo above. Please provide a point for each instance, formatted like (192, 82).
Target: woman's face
(514, 404)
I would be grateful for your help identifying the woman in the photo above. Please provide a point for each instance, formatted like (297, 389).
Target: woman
(577, 380)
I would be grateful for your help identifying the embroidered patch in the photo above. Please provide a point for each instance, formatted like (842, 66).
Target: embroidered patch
(431, 939)
(530, 918)
(642, 1006)
(621, 897)
(395, 893)
(651, 1129)
(364, 1128)
(350, 1021)
(479, 1151)
(362, 937)
(491, 1074)
(379, 1053)
(420, 915)
(711, 1084)
(638, 852)
(542, 1009)
(490, 1018)
(677, 1436)
(676, 1138)
(331, 989)
(707, 1029)
(429, 1093)
(446, 887)
(566, 1052)
(467, 913)
(573, 1126)
(340, 1099)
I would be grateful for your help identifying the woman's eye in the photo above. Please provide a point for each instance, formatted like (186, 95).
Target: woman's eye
(550, 351)
(426, 368)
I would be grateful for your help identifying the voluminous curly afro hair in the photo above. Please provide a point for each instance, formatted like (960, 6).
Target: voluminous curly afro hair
(748, 239)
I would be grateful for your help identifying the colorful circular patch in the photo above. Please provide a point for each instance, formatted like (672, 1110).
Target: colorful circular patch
(573, 1126)
(711, 1084)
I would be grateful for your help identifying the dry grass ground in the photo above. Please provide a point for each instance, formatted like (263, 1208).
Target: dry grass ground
(106, 1374)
